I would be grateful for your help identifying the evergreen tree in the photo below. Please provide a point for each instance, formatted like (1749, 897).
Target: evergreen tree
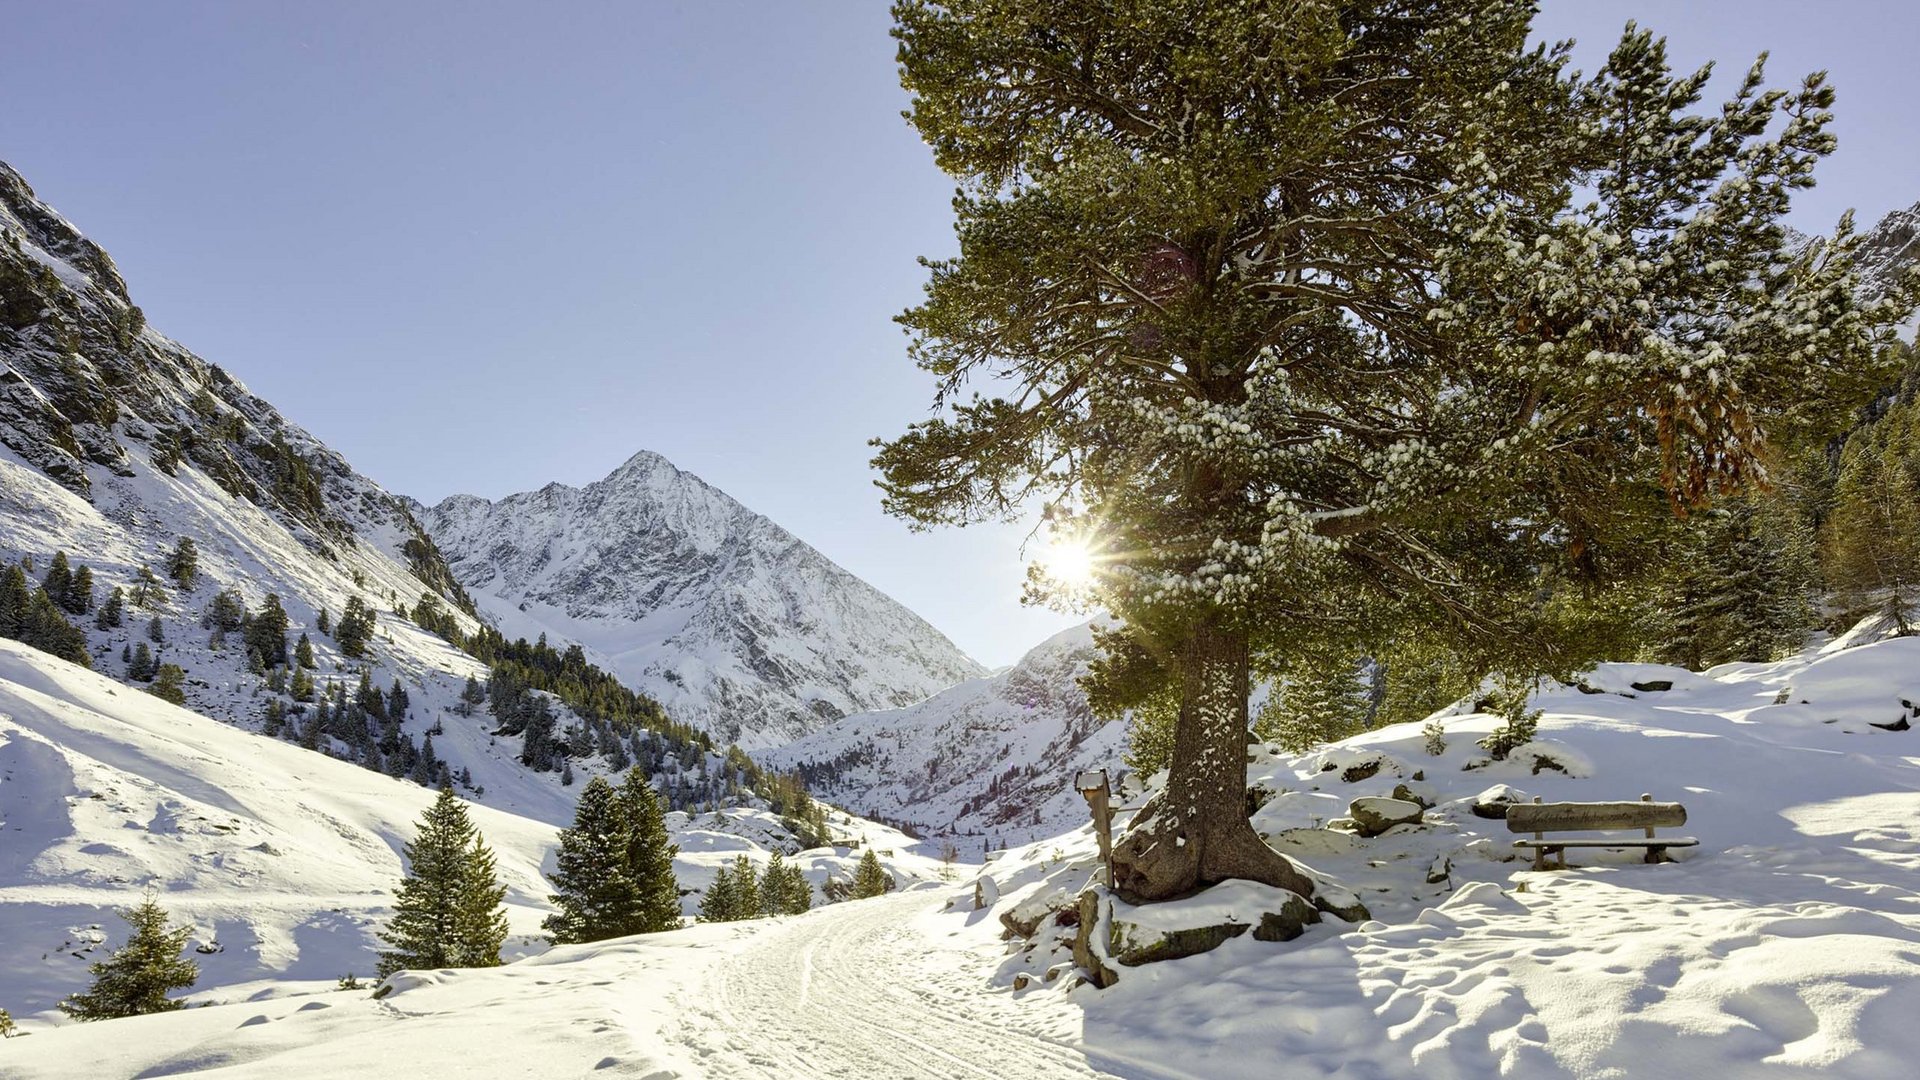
(471, 697)
(1744, 588)
(1318, 698)
(140, 665)
(721, 901)
(266, 632)
(156, 633)
(48, 630)
(136, 979)
(183, 564)
(448, 911)
(1283, 393)
(784, 889)
(169, 684)
(148, 593)
(113, 612)
(301, 685)
(226, 612)
(7, 1027)
(80, 595)
(354, 629)
(16, 601)
(870, 878)
(303, 652)
(1872, 537)
(59, 579)
(649, 858)
(746, 889)
(596, 891)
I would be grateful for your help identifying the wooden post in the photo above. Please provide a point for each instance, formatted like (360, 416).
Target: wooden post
(1540, 849)
(1094, 788)
(1653, 854)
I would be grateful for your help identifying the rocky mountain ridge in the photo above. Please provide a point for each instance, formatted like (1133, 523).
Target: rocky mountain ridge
(733, 623)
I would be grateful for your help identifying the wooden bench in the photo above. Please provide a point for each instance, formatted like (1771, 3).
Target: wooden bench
(1542, 818)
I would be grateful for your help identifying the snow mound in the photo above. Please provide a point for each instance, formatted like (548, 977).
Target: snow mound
(1786, 944)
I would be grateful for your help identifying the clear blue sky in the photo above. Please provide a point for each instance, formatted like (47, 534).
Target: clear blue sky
(481, 246)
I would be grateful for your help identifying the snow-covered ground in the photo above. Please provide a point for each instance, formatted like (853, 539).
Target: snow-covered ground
(282, 859)
(1787, 944)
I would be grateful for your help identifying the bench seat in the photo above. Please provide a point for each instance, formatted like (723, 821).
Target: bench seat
(1658, 841)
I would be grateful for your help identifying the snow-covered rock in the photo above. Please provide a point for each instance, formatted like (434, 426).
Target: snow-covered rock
(727, 619)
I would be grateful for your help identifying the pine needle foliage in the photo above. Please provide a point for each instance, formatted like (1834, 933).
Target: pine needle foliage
(448, 911)
(137, 978)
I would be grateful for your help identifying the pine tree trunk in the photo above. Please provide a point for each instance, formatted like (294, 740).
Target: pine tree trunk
(1195, 833)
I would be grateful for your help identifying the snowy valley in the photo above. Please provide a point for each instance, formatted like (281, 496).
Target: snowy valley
(1496, 528)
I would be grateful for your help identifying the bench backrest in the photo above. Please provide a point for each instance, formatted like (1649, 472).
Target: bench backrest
(1572, 816)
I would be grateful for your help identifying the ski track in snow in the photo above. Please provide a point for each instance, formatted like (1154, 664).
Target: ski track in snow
(847, 992)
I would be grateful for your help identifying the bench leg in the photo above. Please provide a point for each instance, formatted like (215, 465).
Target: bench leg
(1657, 855)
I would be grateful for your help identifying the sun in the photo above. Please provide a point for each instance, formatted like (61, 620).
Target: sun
(1068, 560)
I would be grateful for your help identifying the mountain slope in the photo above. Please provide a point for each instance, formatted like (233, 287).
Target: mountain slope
(991, 758)
(729, 620)
(283, 860)
(116, 443)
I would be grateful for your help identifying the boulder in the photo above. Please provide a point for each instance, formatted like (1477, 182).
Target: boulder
(1374, 814)
(985, 893)
(1492, 803)
(1114, 934)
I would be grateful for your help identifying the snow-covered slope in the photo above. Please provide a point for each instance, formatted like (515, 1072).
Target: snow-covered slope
(988, 762)
(282, 859)
(116, 443)
(727, 619)
(1786, 945)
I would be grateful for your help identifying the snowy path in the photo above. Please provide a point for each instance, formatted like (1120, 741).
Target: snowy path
(873, 988)
(859, 990)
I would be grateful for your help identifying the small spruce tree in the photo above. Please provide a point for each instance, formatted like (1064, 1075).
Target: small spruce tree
(183, 563)
(595, 891)
(113, 612)
(448, 911)
(870, 879)
(136, 979)
(169, 684)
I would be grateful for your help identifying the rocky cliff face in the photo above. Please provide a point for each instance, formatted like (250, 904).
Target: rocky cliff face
(88, 391)
(729, 620)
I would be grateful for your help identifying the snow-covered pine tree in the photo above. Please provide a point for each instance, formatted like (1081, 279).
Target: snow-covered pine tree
(1284, 394)
(448, 910)
(183, 563)
(649, 858)
(595, 892)
(136, 979)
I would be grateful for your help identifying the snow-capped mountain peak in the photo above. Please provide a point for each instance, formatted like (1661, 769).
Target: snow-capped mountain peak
(731, 621)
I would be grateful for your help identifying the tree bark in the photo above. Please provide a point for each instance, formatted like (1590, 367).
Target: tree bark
(1195, 833)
